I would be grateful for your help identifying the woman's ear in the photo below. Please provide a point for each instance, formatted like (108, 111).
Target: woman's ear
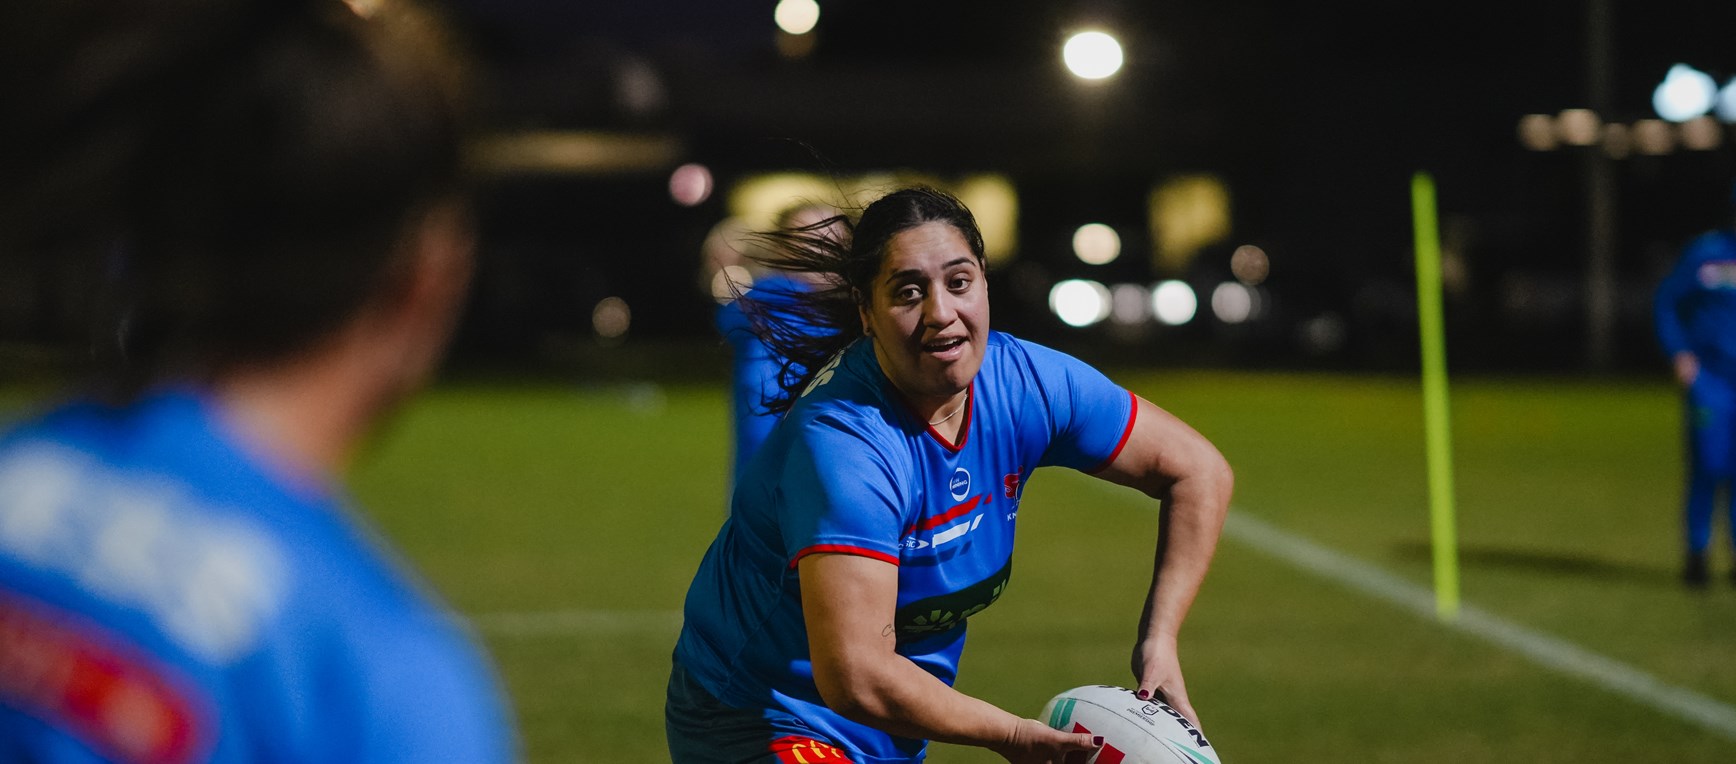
(861, 311)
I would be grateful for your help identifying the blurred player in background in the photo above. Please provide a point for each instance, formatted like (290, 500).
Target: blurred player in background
(827, 619)
(272, 188)
(755, 369)
(1695, 311)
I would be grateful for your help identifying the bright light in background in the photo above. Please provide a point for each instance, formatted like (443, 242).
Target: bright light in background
(1232, 303)
(1096, 244)
(1186, 213)
(1174, 302)
(1578, 127)
(1726, 106)
(1091, 55)
(797, 16)
(730, 281)
(1702, 134)
(611, 318)
(690, 184)
(1537, 132)
(1250, 264)
(1078, 302)
(1654, 137)
(1618, 140)
(1684, 94)
(1128, 303)
(995, 204)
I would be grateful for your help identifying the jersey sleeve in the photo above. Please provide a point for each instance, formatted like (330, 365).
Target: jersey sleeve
(436, 701)
(1666, 301)
(1090, 417)
(840, 494)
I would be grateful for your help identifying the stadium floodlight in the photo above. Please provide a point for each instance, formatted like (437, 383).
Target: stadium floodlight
(1079, 303)
(1684, 94)
(1096, 244)
(1092, 55)
(1726, 106)
(797, 17)
(1174, 302)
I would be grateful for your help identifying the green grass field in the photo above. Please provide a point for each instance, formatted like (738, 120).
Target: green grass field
(567, 520)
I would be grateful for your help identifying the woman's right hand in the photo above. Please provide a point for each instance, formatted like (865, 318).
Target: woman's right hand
(1033, 742)
(1687, 368)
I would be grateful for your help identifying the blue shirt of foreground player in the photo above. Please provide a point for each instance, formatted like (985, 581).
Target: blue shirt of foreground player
(166, 597)
(1695, 305)
(854, 472)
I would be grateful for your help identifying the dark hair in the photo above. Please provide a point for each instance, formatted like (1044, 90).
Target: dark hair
(240, 173)
(806, 329)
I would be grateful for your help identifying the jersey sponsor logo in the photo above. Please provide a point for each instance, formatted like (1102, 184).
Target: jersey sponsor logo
(1718, 274)
(944, 529)
(795, 749)
(959, 485)
(208, 582)
(96, 688)
(943, 612)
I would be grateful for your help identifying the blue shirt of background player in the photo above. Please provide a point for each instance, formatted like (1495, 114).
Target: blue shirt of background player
(754, 366)
(854, 472)
(166, 597)
(1695, 305)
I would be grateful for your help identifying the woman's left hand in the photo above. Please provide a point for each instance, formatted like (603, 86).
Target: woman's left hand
(1157, 669)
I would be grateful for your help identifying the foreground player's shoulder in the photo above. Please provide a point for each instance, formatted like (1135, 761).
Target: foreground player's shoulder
(1719, 244)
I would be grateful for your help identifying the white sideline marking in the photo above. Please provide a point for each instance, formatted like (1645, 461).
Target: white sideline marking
(1540, 648)
(567, 622)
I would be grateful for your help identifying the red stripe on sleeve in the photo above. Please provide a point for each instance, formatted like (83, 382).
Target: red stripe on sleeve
(1132, 416)
(843, 549)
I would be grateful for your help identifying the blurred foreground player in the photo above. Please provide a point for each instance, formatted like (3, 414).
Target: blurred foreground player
(827, 619)
(755, 368)
(1695, 312)
(272, 190)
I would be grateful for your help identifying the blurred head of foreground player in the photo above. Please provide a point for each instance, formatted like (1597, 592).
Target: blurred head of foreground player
(266, 195)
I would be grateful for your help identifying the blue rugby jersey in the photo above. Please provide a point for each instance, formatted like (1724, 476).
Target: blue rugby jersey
(165, 596)
(754, 366)
(1695, 305)
(853, 471)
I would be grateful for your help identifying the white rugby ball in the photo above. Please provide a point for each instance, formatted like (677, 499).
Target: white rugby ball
(1134, 731)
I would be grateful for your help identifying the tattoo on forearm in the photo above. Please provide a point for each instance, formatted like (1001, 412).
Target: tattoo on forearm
(886, 632)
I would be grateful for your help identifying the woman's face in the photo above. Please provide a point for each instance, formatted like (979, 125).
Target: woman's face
(928, 313)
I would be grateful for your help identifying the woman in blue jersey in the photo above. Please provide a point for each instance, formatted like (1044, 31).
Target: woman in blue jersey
(1695, 311)
(826, 621)
(268, 192)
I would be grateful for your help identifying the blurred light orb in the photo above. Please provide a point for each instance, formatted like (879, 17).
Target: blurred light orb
(1079, 303)
(729, 282)
(1537, 132)
(1129, 304)
(1232, 302)
(611, 318)
(1702, 133)
(1092, 55)
(1250, 265)
(1578, 127)
(1726, 106)
(690, 184)
(1174, 302)
(1096, 244)
(1322, 334)
(797, 17)
(1618, 140)
(1684, 94)
(1654, 137)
